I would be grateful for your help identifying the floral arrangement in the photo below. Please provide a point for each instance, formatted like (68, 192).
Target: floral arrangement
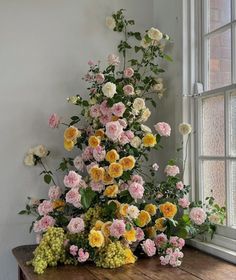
(116, 211)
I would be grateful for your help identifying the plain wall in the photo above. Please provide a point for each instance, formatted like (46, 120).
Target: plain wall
(44, 49)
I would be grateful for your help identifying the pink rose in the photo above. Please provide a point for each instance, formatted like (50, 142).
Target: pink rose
(118, 109)
(73, 197)
(114, 130)
(124, 186)
(99, 153)
(161, 240)
(73, 250)
(155, 167)
(163, 128)
(183, 202)
(137, 179)
(171, 170)
(179, 185)
(44, 223)
(82, 255)
(139, 234)
(72, 180)
(128, 89)
(45, 207)
(54, 120)
(197, 215)
(76, 225)
(113, 59)
(174, 241)
(95, 111)
(78, 163)
(117, 229)
(99, 78)
(104, 108)
(82, 184)
(123, 122)
(104, 119)
(128, 72)
(148, 247)
(181, 243)
(123, 139)
(54, 192)
(97, 186)
(136, 190)
(87, 154)
(91, 63)
(129, 134)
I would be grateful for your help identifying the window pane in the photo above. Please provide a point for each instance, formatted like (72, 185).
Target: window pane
(233, 124)
(233, 192)
(219, 13)
(214, 179)
(213, 126)
(219, 60)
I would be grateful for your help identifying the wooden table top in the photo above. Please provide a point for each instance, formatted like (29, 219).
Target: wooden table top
(196, 265)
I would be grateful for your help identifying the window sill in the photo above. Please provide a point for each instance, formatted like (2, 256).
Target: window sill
(216, 250)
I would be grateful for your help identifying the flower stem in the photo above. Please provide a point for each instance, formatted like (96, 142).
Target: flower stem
(45, 169)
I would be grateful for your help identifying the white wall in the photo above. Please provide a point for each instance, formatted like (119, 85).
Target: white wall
(44, 49)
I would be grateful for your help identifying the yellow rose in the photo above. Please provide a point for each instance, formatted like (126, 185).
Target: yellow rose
(168, 209)
(160, 224)
(151, 232)
(98, 225)
(123, 209)
(69, 145)
(129, 256)
(130, 235)
(96, 173)
(115, 170)
(112, 156)
(111, 191)
(149, 140)
(107, 179)
(94, 141)
(143, 218)
(106, 228)
(71, 133)
(99, 133)
(151, 209)
(128, 163)
(96, 238)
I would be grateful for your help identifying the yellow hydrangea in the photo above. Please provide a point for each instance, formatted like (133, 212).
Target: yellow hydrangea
(96, 173)
(143, 218)
(149, 140)
(160, 224)
(128, 163)
(151, 209)
(69, 145)
(111, 191)
(115, 170)
(130, 235)
(106, 228)
(112, 156)
(71, 133)
(96, 238)
(94, 141)
(129, 256)
(168, 210)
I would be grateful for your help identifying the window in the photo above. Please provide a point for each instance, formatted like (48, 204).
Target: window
(216, 106)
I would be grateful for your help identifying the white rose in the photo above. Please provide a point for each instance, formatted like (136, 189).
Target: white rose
(138, 92)
(155, 34)
(144, 43)
(133, 212)
(145, 128)
(29, 160)
(136, 142)
(185, 128)
(110, 22)
(73, 99)
(40, 151)
(158, 87)
(214, 218)
(139, 104)
(145, 115)
(109, 89)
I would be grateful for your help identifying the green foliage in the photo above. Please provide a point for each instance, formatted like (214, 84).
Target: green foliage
(87, 197)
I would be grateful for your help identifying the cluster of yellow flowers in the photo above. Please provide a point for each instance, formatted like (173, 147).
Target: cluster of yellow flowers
(70, 137)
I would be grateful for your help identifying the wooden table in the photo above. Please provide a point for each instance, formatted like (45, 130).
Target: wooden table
(196, 265)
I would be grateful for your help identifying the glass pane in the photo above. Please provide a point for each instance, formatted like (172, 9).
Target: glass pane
(233, 124)
(213, 143)
(219, 60)
(233, 192)
(214, 179)
(219, 13)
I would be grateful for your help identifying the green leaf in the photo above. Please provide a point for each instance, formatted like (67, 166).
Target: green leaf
(137, 36)
(153, 103)
(47, 178)
(182, 232)
(23, 212)
(75, 118)
(85, 103)
(168, 58)
(87, 196)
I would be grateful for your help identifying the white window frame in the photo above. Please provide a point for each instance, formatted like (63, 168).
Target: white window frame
(224, 242)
